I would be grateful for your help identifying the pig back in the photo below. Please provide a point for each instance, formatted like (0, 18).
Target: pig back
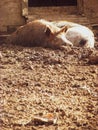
(31, 34)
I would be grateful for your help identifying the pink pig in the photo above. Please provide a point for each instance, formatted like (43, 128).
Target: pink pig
(80, 36)
(77, 34)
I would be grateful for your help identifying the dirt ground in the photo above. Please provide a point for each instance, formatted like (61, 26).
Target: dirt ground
(45, 89)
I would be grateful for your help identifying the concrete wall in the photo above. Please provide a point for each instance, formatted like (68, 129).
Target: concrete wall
(10, 14)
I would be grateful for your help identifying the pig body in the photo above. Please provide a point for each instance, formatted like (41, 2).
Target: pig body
(80, 36)
(39, 33)
(77, 34)
(61, 24)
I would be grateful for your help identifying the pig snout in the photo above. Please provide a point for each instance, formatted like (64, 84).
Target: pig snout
(60, 40)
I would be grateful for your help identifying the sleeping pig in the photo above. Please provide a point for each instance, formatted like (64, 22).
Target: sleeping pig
(77, 34)
(40, 33)
(80, 36)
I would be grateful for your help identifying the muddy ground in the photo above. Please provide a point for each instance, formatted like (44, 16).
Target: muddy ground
(45, 89)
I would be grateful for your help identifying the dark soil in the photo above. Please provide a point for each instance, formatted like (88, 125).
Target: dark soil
(45, 83)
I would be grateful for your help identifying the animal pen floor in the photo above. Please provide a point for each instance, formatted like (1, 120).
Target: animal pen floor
(45, 89)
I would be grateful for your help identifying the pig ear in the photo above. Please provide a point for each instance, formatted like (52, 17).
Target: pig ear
(48, 31)
(63, 29)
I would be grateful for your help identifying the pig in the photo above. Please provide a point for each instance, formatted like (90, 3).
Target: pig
(40, 33)
(61, 24)
(80, 36)
(77, 34)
